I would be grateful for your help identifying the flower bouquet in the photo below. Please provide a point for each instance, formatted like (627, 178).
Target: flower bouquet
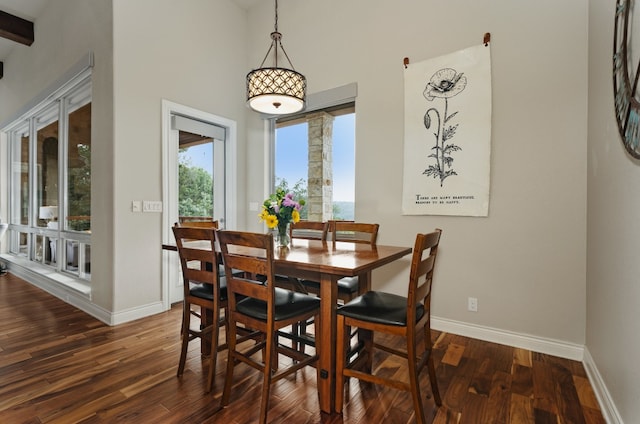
(278, 211)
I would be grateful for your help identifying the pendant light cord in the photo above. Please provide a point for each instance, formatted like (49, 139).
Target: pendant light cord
(276, 24)
(276, 40)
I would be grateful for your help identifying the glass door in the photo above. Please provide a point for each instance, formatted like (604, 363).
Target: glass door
(196, 181)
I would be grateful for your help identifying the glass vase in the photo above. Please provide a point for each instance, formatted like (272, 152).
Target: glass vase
(282, 235)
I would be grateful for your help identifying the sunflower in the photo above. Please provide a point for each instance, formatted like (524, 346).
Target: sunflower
(272, 221)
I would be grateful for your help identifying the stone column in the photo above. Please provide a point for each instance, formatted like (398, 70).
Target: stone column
(320, 177)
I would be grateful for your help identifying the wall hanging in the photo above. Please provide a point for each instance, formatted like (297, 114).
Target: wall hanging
(447, 134)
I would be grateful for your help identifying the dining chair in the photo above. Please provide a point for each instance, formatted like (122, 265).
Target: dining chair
(304, 230)
(352, 232)
(202, 287)
(260, 305)
(379, 312)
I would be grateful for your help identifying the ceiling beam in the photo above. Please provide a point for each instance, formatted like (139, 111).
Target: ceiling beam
(16, 29)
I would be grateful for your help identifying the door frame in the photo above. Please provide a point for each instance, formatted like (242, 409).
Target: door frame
(169, 194)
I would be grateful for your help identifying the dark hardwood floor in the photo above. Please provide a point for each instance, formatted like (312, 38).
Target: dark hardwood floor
(59, 365)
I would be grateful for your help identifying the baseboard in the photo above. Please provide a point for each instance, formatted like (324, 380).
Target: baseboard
(524, 341)
(607, 407)
(79, 295)
(132, 314)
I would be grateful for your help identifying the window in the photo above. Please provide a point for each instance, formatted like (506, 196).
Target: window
(315, 158)
(201, 168)
(195, 178)
(50, 181)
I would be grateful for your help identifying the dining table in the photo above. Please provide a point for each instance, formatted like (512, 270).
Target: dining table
(327, 262)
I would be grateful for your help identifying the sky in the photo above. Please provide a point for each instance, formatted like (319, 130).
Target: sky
(291, 156)
(292, 150)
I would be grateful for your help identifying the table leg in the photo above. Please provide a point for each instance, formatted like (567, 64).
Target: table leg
(327, 338)
(364, 282)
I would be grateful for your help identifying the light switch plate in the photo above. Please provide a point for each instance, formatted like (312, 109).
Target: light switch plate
(151, 206)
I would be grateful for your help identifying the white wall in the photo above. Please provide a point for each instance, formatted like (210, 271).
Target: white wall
(65, 33)
(525, 262)
(189, 52)
(613, 287)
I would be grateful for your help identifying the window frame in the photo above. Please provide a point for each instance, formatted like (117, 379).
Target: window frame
(23, 239)
(336, 108)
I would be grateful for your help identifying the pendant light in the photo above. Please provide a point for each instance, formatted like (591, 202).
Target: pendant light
(276, 90)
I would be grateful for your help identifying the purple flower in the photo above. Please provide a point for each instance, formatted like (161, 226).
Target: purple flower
(288, 201)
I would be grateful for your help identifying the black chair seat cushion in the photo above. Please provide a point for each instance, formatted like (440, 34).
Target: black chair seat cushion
(379, 307)
(288, 304)
(205, 291)
(347, 285)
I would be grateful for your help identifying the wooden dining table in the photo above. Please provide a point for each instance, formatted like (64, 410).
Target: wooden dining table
(327, 262)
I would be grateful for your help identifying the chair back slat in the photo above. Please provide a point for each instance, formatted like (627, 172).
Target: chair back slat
(196, 249)
(354, 232)
(423, 286)
(309, 230)
(248, 260)
(197, 221)
(422, 266)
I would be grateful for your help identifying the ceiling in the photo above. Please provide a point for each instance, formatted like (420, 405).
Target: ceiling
(25, 9)
(32, 9)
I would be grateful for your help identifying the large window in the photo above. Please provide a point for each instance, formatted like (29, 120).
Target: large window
(50, 181)
(315, 158)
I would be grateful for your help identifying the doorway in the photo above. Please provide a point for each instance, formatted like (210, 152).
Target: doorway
(199, 150)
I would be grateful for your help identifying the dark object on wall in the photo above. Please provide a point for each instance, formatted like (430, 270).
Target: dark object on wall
(625, 80)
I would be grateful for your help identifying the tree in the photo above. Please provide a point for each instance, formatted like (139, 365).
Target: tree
(195, 189)
(80, 190)
(299, 190)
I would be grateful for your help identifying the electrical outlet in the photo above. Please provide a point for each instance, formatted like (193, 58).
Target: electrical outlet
(472, 304)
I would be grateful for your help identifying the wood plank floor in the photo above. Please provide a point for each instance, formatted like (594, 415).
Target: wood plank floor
(59, 365)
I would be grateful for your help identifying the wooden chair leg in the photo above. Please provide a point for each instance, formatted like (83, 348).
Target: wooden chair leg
(215, 333)
(366, 336)
(186, 323)
(296, 331)
(434, 381)
(231, 361)
(428, 347)
(270, 356)
(414, 380)
(341, 361)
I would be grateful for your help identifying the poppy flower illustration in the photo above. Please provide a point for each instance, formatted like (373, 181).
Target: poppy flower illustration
(444, 84)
